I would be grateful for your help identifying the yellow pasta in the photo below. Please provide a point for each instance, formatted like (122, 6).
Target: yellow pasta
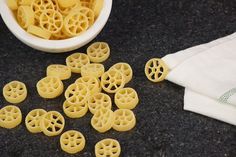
(112, 81)
(59, 36)
(66, 3)
(91, 82)
(25, 2)
(76, 61)
(103, 120)
(77, 93)
(156, 70)
(66, 10)
(32, 120)
(15, 92)
(107, 147)
(124, 120)
(75, 110)
(125, 69)
(89, 13)
(98, 101)
(39, 6)
(25, 16)
(56, 5)
(72, 141)
(58, 70)
(39, 32)
(93, 69)
(97, 7)
(10, 117)
(126, 98)
(98, 52)
(75, 23)
(51, 21)
(52, 123)
(87, 3)
(12, 4)
(50, 87)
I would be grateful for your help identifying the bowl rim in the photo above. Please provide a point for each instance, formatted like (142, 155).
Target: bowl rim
(55, 46)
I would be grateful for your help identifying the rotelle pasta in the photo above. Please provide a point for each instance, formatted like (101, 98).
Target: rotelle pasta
(56, 19)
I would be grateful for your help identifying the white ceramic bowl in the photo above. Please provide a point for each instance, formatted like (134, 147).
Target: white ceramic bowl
(55, 46)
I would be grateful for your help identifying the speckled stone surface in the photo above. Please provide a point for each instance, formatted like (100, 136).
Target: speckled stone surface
(137, 31)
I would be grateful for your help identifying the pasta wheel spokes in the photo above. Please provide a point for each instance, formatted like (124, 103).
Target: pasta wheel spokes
(50, 87)
(39, 6)
(66, 10)
(89, 13)
(112, 81)
(98, 52)
(98, 101)
(76, 61)
(75, 23)
(51, 21)
(15, 92)
(125, 69)
(156, 70)
(107, 147)
(126, 98)
(32, 120)
(91, 82)
(72, 141)
(52, 123)
(124, 120)
(10, 117)
(76, 93)
(102, 120)
(75, 111)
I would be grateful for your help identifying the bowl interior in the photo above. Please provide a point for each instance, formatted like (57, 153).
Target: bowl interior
(55, 46)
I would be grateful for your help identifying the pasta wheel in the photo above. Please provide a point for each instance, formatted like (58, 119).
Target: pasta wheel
(72, 141)
(93, 69)
(125, 69)
(12, 4)
(89, 13)
(124, 120)
(103, 120)
(39, 32)
(25, 16)
(76, 61)
(32, 120)
(92, 83)
(50, 87)
(75, 110)
(76, 94)
(25, 2)
(97, 7)
(51, 21)
(66, 10)
(66, 3)
(10, 117)
(52, 123)
(39, 6)
(98, 52)
(55, 4)
(112, 81)
(156, 70)
(98, 101)
(107, 147)
(15, 92)
(58, 70)
(126, 98)
(75, 23)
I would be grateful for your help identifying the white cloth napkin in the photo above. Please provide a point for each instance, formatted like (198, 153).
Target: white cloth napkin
(208, 73)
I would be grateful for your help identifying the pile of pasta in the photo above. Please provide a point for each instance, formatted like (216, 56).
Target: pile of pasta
(56, 19)
(90, 92)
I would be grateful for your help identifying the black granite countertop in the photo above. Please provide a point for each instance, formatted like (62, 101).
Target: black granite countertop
(136, 31)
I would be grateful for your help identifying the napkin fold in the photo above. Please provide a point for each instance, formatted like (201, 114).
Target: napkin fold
(208, 73)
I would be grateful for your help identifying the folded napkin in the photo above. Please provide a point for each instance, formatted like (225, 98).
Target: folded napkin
(208, 73)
